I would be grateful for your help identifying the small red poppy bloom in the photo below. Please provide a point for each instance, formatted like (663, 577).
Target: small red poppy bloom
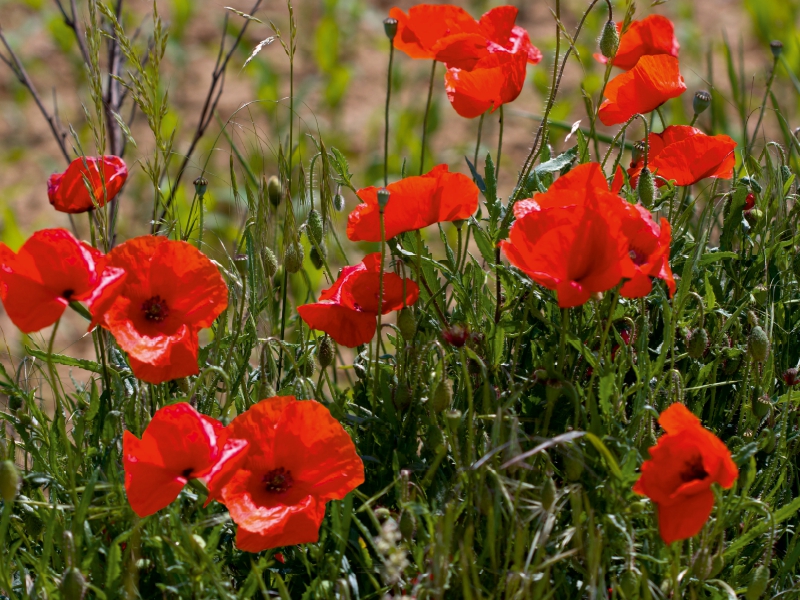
(749, 202)
(52, 269)
(678, 476)
(299, 458)
(347, 310)
(178, 444)
(648, 247)
(687, 155)
(414, 203)
(420, 32)
(495, 80)
(651, 36)
(172, 291)
(653, 81)
(570, 238)
(68, 193)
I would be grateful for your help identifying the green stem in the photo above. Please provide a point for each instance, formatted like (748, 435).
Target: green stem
(562, 342)
(425, 119)
(478, 143)
(380, 309)
(202, 214)
(386, 116)
(499, 147)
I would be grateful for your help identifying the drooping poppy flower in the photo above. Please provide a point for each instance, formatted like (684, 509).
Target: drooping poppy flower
(648, 247)
(172, 291)
(495, 80)
(414, 203)
(299, 458)
(347, 310)
(650, 36)
(570, 238)
(178, 444)
(653, 81)
(68, 193)
(420, 32)
(687, 155)
(678, 476)
(52, 269)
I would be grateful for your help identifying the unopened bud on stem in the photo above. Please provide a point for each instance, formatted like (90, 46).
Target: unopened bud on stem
(646, 188)
(609, 40)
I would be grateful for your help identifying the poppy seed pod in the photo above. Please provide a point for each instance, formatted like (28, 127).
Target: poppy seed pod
(646, 188)
(760, 404)
(702, 100)
(776, 48)
(609, 40)
(73, 585)
(637, 154)
(406, 323)
(274, 190)
(326, 352)
(758, 344)
(200, 186)
(390, 27)
(383, 198)
(790, 377)
(9, 481)
(293, 257)
(314, 226)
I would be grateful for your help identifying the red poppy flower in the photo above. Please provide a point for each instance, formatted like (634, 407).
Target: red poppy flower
(648, 247)
(414, 203)
(67, 191)
(651, 36)
(653, 81)
(52, 269)
(687, 155)
(299, 458)
(178, 444)
(172, 291)
(570, 238)
(495, 80)
(348, 309)
(420, 31)
(678, 476)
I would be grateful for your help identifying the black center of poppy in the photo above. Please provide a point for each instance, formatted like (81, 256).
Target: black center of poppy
(155, 309)
(637, 256)
(277, 481)
(187, 473)
(693, 470)
(67, 294)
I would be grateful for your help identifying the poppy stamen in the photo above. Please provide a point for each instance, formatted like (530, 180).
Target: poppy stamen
(277, 481)
(694, 470)
(155, 309)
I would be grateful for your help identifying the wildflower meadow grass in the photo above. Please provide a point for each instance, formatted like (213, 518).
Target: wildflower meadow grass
(558, 371)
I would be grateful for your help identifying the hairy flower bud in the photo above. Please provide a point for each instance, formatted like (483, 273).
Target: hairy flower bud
(338, 203)
(318, 257)
(442, 396)
(402, 397)
(758, 584)
(274, 190)
(9, 481)
(548, 494)
(758, 344)
(609, 40)
(702, 100)
(698, 343)
(314, 227)
(326, 352)
(786, 173)
(293, 257)
(406, 323)
(646, 188)
(73, 585)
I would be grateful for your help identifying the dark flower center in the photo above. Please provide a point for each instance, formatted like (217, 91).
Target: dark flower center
(187, 473)
(277, 481)
(155, 309)
(693, 470)
(637, 256)
(67, 294)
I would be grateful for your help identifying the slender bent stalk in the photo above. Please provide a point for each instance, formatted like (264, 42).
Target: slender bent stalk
(499, 148)
(425, 119)
(478, 142)
(380, 308)
(386, 116)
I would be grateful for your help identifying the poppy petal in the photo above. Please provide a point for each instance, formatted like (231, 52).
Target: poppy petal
(686, 519)
(67, 191)
(346, 326)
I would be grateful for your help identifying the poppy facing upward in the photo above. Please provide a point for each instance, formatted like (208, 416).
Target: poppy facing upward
(687, 155)
(52, 269)
(178, 444)
(653, 81)
(678, 476)
(299, 458)
(414, 203)
(67, 191)
(172, 291)
(650, 36)
(347, 310)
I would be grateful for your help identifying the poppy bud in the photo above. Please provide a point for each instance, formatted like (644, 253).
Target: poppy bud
(761, 404)
(786, 173)
(240, 261)
(435, 439)
(270, 261)
(308, 368)
(402, 397)
(456, 335)
(293, 257)
(758, 584)
(777, 49)
(717, 564)
(274, 190)
(548, 494)
(407, 525)
(406, 323)
(200, 186)
(698, 343)
(383, 198)
(326, 352)
(338, 203)
(790, 377)
(702, 100)
(766, 441)
(265, 390)
(609, 39)
(390, 27)
(73, 585)
(758, 344)
(14, 402)
(318, 258)
(314, 226)
(573, 467)
(9, 481)
(33, 524)
(646, 188)
(629, 582)
(760, 293)
(752, 183)
(753, 216)
(442, 396)
(747, 473)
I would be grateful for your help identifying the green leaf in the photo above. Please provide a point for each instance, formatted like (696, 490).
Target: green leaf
(482, 240)
(69, 361)
(762, 527)
(712, 257)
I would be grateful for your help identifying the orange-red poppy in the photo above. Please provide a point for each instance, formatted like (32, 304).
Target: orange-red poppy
(178, 444)
(648, 247)
(68, 193)
(495, 80)
(172, 291)
(687, 155)
(52, 269)
(678, 476)
(298, 459)
(347, 310)
(414, 203)
(651, 36)
(420, 32)
(570, 238)
(653, 81)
